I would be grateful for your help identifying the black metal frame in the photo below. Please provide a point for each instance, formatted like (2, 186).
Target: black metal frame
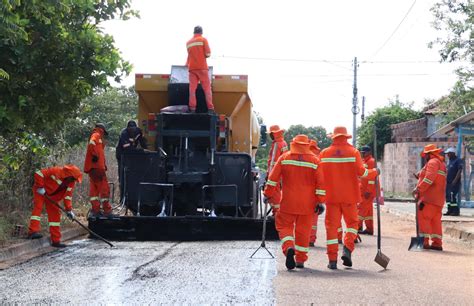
(158, 185)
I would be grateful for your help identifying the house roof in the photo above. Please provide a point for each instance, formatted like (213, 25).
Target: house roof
(449, 128)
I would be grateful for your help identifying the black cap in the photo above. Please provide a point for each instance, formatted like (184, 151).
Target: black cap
(365, 149)
(102, 126)
(197, 30)
(131, 123)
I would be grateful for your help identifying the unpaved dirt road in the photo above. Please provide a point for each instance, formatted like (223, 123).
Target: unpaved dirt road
(89, 272)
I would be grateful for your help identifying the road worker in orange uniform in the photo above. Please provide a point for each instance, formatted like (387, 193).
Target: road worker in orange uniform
(303, 189)
(367, 190)
(198, 51)
(313, 147)
(342, 166)
(57, 183)
(430, 191)
(279, 146)
(96, 167)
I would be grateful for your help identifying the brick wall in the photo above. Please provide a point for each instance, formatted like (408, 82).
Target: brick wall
(412, 128)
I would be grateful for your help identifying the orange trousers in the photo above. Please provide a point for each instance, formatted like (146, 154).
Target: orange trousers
(314, 228)
(334, 211)
(99, 192)
(202, 76)
(430, 224)
(54, 217)
(294, 231)
(366, 214)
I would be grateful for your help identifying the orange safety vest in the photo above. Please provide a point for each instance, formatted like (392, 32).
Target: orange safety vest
(302, 181)
(432, 182)
(342, 166)
(95, 147)
(51, 179)
(198, 51)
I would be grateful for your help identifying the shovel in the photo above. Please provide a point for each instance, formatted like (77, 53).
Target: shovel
(416, 243)
(380, 258)
(264, 229)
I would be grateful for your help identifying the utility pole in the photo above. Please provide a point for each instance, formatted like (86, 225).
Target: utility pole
(362, 116)
(355, 108)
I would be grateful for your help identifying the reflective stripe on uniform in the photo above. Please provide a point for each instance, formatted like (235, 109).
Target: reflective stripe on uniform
(338, 160)
(436, 236)
(332, 241)
(126, 145)
(351, 230)
(193, 44)
(314, 227)
(103, 199)
(366, 172)
(100, 140)
(299, 164)
(271, 183)
(37, 218)
(284, 149)
(39, 173)
(366, 166)
(58, 181)
(428, 181)
(92, 142)
(276, 205)
(94, 199)
(287, 238)
(301, 249)
(442, 172)
(68, 198)
(54, 223)
(320, 192)
(339, 229)
(371, 182)
(424, 235)
(69, 189)
(361, 218)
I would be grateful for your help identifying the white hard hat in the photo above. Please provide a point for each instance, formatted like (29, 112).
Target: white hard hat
(450, 150)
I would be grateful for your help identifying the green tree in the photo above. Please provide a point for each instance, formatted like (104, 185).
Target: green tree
(62, 59)
(313, 132)
(382, 118)
(114, 107)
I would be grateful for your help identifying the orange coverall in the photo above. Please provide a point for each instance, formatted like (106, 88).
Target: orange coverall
(280, 146)
(432, 188)
(342, 166)
(302, 189)
(367, 190)
(95, 166)
(198, 50)
(51, 179)
(313, 146)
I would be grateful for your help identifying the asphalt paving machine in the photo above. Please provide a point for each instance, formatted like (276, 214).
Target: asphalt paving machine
(199, 181)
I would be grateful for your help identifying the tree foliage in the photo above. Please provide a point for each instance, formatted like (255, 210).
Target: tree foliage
(382, 118)
(55, 55)
(113, 107)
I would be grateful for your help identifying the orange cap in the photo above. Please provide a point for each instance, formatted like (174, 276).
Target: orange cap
(71, 170)
(340, 131)
(275, 129)
(301, 139)
(430, 148)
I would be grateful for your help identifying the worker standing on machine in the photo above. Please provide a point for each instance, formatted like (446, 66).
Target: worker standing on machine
(342, 166)
(198, 50)
(95, 166)
(313, 146)
(279, 146)
(303, 190)
(56, 183)
(367, 190)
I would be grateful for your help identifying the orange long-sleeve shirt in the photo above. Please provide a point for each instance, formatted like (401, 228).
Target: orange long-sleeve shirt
(342, 166)
(302, 181)
(96, 148)
(366, 184)
(432, 182)
(198, 51)
(280, 146)
(52, 180)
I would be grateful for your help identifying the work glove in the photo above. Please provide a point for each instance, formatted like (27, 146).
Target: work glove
(319, 209)
(95, 158)
(422, 205)
(41, 191)
(70, 214)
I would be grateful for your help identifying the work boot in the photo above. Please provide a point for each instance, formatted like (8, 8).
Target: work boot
(332, 265)
(448, 213)
(366, 232)
(35, 235)
(455, 212)
(346, 257)
(426, 247)
(93, 215)
(58, 245)
(436, 248)
(300, 265)
(290, 259)
(311, 244)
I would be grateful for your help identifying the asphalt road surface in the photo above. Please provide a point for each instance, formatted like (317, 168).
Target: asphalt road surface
(89, 272)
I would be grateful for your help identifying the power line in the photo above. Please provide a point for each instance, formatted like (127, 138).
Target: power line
(394, 31)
